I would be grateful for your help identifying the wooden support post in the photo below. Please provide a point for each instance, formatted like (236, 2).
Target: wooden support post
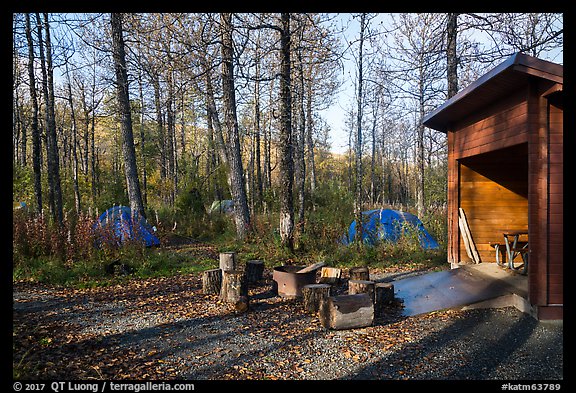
(359, 273)
(347, 311)
(330, 275)
(228, 260)
(315, 295)
(361, 286)
(211, 281)
(383, 295)
(233, 286)
(254, 271)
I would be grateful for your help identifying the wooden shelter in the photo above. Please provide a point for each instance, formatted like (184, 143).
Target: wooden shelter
(505, 170)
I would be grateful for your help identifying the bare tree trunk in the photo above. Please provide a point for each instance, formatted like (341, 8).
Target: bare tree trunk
(142, 139)
(128, 150)
(285, 143)
(300, 146)
(420, 161)
(170, 138)
(267, 137)
(159, 126)
(451, 57)
(241, 212)
(36, 148)
(373, 155)
(219, 155)
(93, 167)
(359, 174)
(55, 192)
(310, 143)
(74, 144)
(257, 129)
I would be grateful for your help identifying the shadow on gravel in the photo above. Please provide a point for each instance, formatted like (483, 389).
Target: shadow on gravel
(254, 356)
(475, 347)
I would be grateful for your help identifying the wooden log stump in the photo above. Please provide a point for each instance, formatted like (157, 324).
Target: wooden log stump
(330, 275)
(383, 295)
(211, 281)
(233, 286)
(359, 273)
(347, 311)
(361, 286)
(228, 260)
(254, 271)
(314, 295)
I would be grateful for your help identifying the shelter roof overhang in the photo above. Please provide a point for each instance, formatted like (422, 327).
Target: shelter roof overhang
(508, 76)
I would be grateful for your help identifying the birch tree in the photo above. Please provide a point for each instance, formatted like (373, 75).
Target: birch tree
(286, 175)
(55, 191)
(128, 150)
(36, 148)
(237, 187)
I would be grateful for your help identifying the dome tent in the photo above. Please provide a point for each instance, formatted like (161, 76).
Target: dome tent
(225, 206)
(119, 220)
(388, 224)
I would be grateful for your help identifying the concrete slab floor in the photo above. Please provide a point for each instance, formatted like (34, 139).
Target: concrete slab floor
(460, 287)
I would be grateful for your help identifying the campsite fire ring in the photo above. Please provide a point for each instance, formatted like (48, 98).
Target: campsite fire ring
(288, 283)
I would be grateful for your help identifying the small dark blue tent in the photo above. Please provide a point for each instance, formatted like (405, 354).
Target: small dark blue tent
(118, 220)
(387, 224)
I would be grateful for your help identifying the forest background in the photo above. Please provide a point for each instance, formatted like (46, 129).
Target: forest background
(168, 112)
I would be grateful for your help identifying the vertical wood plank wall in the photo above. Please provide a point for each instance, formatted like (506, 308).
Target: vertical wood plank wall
(556, 208)
(546, 207)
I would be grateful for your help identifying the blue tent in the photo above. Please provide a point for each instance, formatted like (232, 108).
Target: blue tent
(387, 224)
(119, 220)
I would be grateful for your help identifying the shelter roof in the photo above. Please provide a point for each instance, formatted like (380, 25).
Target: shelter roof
(508, 76)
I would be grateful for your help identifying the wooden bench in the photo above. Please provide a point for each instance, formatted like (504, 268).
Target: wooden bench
(524, 251)
(500, 248)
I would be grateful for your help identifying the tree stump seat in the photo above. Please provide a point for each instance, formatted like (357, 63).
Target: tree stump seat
(314, 295)
(361, 286)
(347, 311)
(234, 289)
(359, 273)
(211, 281)
(254, 271)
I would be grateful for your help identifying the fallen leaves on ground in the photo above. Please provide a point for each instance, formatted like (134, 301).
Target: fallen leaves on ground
(166, 328)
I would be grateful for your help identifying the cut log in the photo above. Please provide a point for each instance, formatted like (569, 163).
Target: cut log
(361, 286)
(311, 268)
(228, 260)
(254, 271)
(211, 281)
(315, 295)
(233, 286)
(330, 275)
(359, 273)
(383, 295)
(347, 311)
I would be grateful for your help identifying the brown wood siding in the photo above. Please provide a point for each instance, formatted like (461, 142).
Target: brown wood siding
(555, 203)
(545, 197)
(537, 185)
(453, 196)
(494, 204)
(500, 125)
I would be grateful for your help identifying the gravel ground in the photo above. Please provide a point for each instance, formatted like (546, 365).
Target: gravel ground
(166, 329)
